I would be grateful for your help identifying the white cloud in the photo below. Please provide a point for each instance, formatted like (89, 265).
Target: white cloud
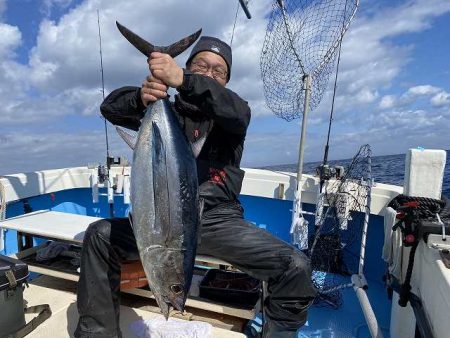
(11, 86)
(365, 95)
(422, 90)
(387, 101)
(11, 39)
(426, 94)
(370, 61)
(441, 99)
(49, 5)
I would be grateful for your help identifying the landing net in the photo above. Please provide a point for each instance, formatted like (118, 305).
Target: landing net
(302, 38)
(337, 247)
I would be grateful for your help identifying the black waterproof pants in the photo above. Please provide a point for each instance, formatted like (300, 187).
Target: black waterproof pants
(225, 235)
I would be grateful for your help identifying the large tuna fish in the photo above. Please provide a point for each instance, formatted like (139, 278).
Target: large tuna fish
(164, 194)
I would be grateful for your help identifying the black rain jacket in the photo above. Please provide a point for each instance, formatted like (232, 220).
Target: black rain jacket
(204, 107)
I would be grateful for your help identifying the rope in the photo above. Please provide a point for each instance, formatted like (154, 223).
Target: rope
(415, 209)
(405, 289)
(427, 207)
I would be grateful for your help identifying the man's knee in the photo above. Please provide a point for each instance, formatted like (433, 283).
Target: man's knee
(299, 273)
(98, 229)
(301, 264)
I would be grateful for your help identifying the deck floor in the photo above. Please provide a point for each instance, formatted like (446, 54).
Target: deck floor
(323, 322)
(348, 320)
(61, 296)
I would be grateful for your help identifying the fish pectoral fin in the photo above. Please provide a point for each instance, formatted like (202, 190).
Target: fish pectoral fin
(130, 218)
(201, 205)
(127, 137)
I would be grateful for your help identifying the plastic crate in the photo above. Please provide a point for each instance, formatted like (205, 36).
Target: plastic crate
(228, 287)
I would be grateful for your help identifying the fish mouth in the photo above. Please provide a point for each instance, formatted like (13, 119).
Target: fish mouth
(178, 301)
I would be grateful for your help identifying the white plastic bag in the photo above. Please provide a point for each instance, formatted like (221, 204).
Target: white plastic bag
(158, 327)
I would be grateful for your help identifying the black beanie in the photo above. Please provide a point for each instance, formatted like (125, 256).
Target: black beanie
(214, 45)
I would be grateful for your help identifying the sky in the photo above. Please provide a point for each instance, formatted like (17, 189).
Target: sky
(393, 89)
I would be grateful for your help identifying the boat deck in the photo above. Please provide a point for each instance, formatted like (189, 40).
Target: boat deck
(348, 320)
(61, 296)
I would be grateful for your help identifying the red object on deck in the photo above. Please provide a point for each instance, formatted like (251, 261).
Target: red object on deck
(132, 276)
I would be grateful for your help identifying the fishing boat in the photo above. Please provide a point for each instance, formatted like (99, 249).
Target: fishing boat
(57, 205)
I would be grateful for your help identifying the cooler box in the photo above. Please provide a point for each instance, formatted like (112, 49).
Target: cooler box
(13, 273)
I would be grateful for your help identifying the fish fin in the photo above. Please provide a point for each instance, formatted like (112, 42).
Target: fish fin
(130, 218)
(147, 48)
(160, 181)
(143, 46)
(128, 138)
(181, 45)
(201, 205)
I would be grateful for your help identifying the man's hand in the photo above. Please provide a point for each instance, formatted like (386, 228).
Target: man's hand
(164, 68)
(152, 89)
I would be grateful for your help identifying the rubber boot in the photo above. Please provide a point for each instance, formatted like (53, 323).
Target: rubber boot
(271, 330)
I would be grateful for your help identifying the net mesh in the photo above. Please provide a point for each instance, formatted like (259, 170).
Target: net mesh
(336, 243)
(301, 39)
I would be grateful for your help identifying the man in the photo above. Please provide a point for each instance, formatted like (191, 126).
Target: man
(215, 121)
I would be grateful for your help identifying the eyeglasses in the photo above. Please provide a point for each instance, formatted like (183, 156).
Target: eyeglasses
(203, 68)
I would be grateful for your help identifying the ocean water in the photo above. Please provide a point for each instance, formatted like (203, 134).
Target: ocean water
(388, 169)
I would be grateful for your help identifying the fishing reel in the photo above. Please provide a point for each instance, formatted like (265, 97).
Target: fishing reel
(325, 172)
(102, 173)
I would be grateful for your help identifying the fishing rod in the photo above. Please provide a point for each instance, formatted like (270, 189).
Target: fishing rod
(104, 174)
(244, 4)
(325, 173)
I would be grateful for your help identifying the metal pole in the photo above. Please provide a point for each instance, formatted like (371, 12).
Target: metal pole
(301, 153)
(368, 187)
(371, 320)
(359, 280)
(299, 226)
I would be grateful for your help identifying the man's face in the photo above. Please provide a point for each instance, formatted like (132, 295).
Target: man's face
(210, 64)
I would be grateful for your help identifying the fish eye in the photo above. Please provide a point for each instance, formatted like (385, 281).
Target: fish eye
(176, 289)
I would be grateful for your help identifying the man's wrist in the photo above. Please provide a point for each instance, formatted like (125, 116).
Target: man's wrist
(138, 103)
(181, 80)
(187, 81)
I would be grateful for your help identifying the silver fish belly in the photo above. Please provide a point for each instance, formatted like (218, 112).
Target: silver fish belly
(165, 205)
